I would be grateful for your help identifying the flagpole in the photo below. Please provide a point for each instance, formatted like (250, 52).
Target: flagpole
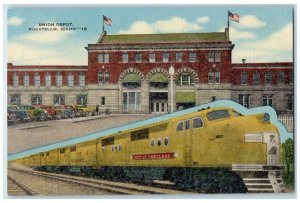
(228, 20)
(103, 24)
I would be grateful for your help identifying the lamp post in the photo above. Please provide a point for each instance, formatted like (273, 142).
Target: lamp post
(171, 72)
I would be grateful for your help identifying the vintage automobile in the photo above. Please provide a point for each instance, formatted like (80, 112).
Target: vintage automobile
(85, 110)
(17, 116)
(63, 111)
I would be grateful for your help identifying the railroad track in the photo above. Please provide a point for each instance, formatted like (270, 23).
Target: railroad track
(104, 185)
(16, 188)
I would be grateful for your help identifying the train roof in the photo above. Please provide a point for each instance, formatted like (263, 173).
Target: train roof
(139, 124)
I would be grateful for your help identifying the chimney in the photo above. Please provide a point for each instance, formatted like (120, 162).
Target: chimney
(244, 60)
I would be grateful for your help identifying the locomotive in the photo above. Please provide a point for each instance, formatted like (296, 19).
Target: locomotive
(214, 149)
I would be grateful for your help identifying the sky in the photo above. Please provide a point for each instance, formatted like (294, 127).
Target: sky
(264, 33)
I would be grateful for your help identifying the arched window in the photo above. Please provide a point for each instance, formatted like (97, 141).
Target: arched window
(158, 80)
(244, 78)
(185, 79)
(81, 80)
(132, 80)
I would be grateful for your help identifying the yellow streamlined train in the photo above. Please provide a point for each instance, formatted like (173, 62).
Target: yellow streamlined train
(210, 150)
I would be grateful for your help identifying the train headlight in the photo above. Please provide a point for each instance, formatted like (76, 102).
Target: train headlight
(266, 117)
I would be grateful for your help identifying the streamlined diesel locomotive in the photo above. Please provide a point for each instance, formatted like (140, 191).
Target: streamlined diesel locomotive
(214, 150)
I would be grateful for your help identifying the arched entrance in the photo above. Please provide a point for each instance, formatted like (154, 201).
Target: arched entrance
(158, 91)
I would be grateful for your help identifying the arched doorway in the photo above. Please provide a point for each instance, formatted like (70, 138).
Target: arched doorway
(158, 91)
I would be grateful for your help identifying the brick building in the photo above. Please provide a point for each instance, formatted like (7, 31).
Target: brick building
(131, 73)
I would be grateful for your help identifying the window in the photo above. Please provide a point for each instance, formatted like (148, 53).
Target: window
(290, 101)
(151, 57)
(244, 100)
(139, 135)
(217, 56)
(219, 114)
(185, 79)
(100, 58)
(73, 149)
(125, 57)
(58, 79)
(244, 78)
(100, 77)
(210, 56)
(179, 126)
(36, 99)
(106, 76)
(214, 56)
(62, 151)
(192, 56)
(213, 77)
(15, 80)
(70, 80)
(138, 57)
(152, 143)
(108, 141)
(166, 141)
(102, 100)
(37, 80)
(178, 57)
(48, 80)
(159, 142)
(59, 99)
(197, 122)
(106, 58)
(256, 78)
(82, 99)
(165, 57)
(15, 99)
(187, 124)
(267, 100)
(131, 101)
(81, 79)
(268, 78)
(280, 78)
(26, 80)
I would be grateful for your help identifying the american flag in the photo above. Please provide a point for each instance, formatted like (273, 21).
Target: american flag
(107, 21)
(234, 17)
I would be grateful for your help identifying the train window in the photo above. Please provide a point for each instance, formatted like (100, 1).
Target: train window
(236, 114)
(214, 115)
(116, 148)
(108, 141)
(152, 143)
(197, 123)
(120, 147)
(166, 141)
(47, 153)
(159, 142)
(73, 149)
(180, 126)
(187, 124)
(112, 148)
(139, 135)
(61, 151)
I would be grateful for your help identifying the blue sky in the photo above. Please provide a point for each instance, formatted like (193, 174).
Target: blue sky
(264, 34)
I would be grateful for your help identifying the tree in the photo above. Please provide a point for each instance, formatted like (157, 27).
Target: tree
(288, 154)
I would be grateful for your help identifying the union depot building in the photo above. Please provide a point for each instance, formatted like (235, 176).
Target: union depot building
(155, 73)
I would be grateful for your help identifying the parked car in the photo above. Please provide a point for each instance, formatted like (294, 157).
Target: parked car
(85, 110)
(16, 116)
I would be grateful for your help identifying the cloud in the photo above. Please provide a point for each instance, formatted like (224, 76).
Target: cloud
(172, 25)
(203, 19)
(250, 21)
(20, 54)
(236, 34)
(15, 21)
(276, 47)
(46, 36)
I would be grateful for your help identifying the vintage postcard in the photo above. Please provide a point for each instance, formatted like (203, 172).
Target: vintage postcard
(173, 100)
